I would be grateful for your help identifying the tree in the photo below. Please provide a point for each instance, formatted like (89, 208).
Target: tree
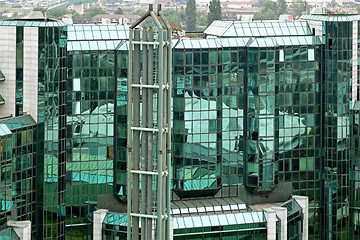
(119, 11)
(332, 4)
(93, 11)
(269, 14)
(282, 7)
(231, 17)
(270, 11)
(298, 7)
(214, 11)
(43, 10)
(175, 16)
(190, 15)
(57, 12)
(139, 11)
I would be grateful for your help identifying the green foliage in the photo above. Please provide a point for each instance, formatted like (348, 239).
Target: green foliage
(214, 11)
(57, 12)
(202, 19)
(266, 15)
(43, 10)
(75, 16)
(332, 4)
(298, 7)
(175, 16)
(93, 11)
(358, 8)
(231, 17)
(270, 11)
(139, 12)
(119, 11)
(190, 15)
(282, 6)
(259, 3)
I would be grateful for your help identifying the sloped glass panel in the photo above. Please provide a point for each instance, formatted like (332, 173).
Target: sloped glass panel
(214, 220)
(93, 45)
(240, 218)
(231, 219)
(188, 222)
(197, 221)
(105, 35)
(248, 218)
(2, 77)
(205, 221)
(80, 36)
(2, 100)
(97, 35)
(230, 32)
(4, 130)
(85, 45)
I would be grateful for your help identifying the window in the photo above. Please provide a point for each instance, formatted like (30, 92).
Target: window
(330, 43)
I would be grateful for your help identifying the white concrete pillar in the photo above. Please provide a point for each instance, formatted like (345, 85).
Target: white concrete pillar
(304, 204)
(22, 228)
(31, 70)
(8, 68)
(270, 216)
(171, 228)
(281, 213)
(99, 216)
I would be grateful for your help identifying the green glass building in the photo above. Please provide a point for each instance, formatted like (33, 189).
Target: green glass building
(261, 111)
(33, 89)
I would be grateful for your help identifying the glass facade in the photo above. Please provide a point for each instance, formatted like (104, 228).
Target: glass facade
(19, 69)
(121, 122)
(276, 87)
(295, 220)
(51, 130)
(114, 226)
(90, 130)
(261, 109)
(9, 234)
(250, 225)
(337, 38)
(91, 99)
(18, 169)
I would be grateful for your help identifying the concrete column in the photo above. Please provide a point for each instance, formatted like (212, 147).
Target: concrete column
(270, 216)
(99, 216)
(22, 228)
(281, 213)
(31, 69)
(171, 228)
(8, 68)
(304, 204)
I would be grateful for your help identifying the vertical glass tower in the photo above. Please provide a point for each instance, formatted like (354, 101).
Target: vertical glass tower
(337, 119)
(18, 168)
(34, 63)
(339, 36)
(51, 128)
(91, 99)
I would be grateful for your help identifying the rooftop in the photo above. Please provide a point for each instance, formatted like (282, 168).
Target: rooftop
(257, 29)
(331, 18)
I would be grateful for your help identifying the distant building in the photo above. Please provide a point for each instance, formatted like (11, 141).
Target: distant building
(236, 5)
(163, 2)
(115, 18)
